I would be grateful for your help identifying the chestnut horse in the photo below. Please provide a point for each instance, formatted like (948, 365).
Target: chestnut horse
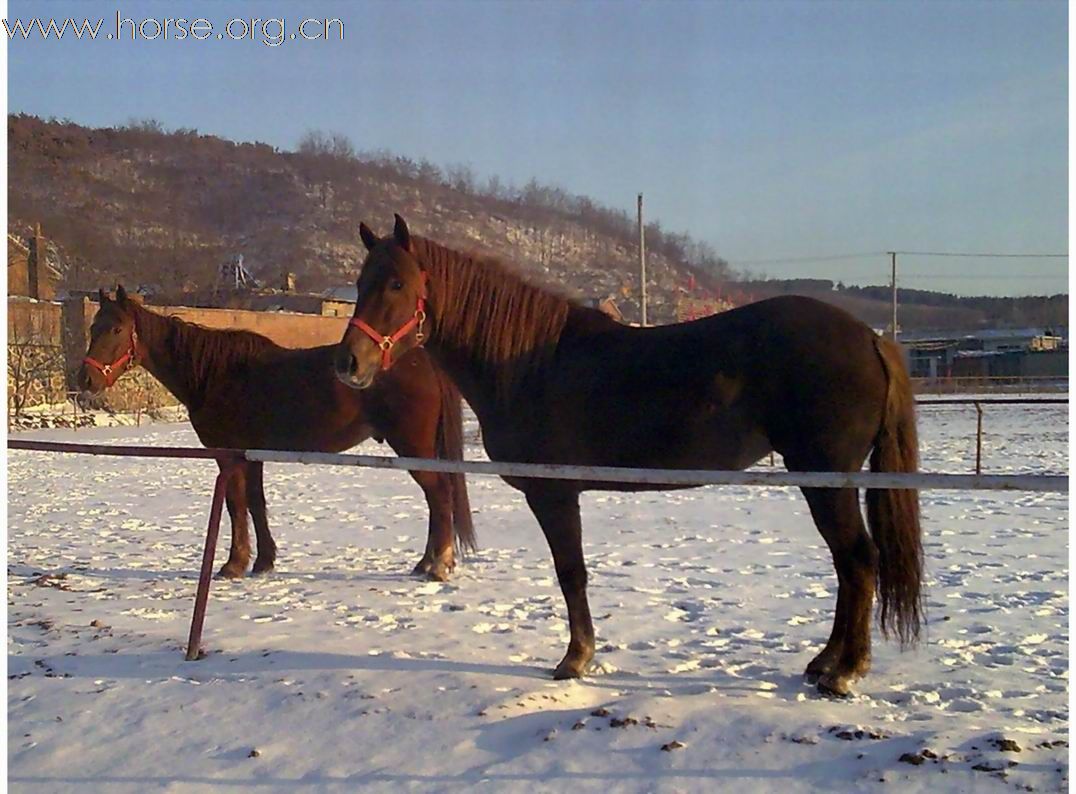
(554, 382)
(243, 391)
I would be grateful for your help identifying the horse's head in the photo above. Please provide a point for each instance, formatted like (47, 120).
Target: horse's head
(113, 343)
(390, 308)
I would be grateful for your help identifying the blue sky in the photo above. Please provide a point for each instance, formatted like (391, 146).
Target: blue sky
(772, 130)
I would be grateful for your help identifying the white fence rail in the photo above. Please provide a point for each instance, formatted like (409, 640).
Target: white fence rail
(1043, 483)
(863, 479)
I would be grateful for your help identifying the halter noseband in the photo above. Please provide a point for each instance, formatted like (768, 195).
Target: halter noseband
(386, 343)
(112, 371)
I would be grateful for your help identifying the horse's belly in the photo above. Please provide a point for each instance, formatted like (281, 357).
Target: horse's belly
(739, 452)
(725, 439)
(331, 439)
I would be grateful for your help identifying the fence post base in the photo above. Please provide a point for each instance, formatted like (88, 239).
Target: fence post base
(194, 642)
(979, 439)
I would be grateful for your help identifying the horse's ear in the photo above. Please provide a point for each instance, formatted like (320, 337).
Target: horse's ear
(101, 294)
(121, 294)
(369, 239)
(401, 234)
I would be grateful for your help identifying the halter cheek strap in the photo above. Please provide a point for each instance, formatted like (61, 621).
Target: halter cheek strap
(386, 343)
(113, 371)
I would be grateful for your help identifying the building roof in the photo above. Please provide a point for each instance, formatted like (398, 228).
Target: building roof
(984, 334)
(348, 294)
(14, 240)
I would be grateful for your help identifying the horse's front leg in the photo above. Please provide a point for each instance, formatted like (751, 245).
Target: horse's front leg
(557, 510)
(439, 559)
(416, 437)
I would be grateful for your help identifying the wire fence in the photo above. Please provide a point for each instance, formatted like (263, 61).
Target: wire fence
(1010, 384)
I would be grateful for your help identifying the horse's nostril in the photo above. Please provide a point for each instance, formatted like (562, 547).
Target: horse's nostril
(346, 363)
(339, 362)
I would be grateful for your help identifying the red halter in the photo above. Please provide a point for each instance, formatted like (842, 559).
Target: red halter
(112, 371)
(386, 343)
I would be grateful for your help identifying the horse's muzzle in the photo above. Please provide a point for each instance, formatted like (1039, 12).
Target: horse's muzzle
(86, 381)
(348, 371)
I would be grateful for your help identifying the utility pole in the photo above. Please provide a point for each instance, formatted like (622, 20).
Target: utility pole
(642, 257)
(893, 281)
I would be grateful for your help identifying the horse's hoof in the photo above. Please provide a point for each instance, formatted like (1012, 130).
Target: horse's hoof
(817, 668)
(232, 572)
(422, 568)
(438, 573)
(571, 667)
(434, 570)
(839, 686)
(564, 672)
(262, 569)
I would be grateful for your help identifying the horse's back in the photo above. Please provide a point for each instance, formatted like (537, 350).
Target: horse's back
(291, 399)
(813, 373)
(719, 392)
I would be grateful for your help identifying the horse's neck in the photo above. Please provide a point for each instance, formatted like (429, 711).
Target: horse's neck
(476, 383)
(167, 359)
(490, 374)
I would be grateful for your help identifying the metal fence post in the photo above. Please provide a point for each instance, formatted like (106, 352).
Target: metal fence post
(979, 439)
(194, 643)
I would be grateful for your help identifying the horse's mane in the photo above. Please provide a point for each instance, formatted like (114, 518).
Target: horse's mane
(510, 327)
(200, 356)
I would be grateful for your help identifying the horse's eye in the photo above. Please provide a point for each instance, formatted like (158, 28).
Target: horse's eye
(396, 285)
(116, 330)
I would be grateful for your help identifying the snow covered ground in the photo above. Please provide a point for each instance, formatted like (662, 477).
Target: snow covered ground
(341, 671)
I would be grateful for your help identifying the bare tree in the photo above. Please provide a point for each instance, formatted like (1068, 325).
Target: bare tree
(149, 125)
(461, 178)
(340, 147)
(322, 144)
(313, 142)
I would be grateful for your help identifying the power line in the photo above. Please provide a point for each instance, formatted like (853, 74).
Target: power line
(982, 255)
(868, 254)
(989, 276)
(796, 260)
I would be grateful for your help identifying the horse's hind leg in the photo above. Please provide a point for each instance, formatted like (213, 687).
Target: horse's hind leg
(266, 558)
(236, 497)
(847, 655)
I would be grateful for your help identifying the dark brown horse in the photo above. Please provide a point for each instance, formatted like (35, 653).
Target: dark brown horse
(244, 391)
(554, 382)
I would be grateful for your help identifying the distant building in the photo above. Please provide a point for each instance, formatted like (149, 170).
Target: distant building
(237, 288)
(30, 274)
(608, 307)
(991, 353)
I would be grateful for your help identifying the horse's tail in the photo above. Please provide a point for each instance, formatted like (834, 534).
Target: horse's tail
(893, 514)
(450, 447)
